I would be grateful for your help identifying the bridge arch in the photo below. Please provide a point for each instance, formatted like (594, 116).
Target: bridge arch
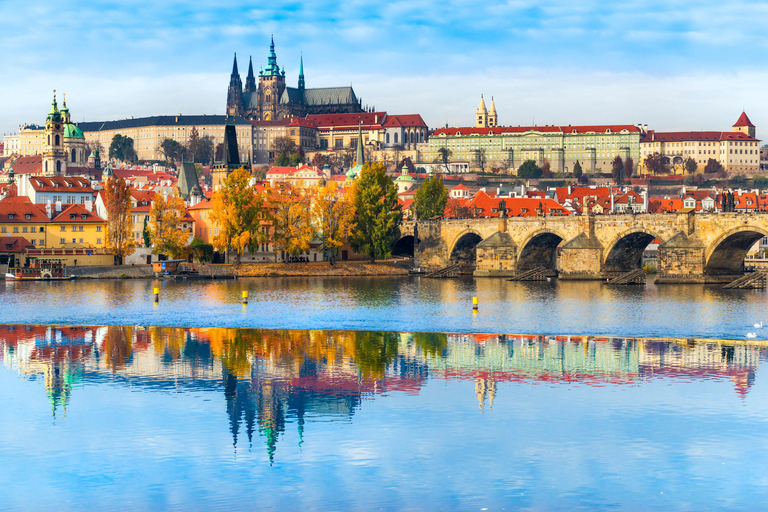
(539, 249)
(403, 246)
(464, 248)
(625, 252)
(725, 256)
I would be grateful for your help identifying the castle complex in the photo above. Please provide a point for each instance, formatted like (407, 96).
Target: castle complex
(271, 99)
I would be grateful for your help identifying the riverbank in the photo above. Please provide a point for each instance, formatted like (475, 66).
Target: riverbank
(343, 268)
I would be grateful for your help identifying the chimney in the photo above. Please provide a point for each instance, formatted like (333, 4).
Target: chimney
(58, 206)
(49, 210)
(89, 205)
(569, 190)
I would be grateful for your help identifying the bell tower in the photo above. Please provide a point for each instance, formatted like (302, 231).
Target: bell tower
(54, 156)
(493, 119)
(271, 86)
(481, 115)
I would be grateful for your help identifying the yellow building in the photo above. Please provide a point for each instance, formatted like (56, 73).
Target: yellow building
(29, 141)
(738, 151)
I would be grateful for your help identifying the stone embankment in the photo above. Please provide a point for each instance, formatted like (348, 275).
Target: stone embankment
(345, 268)
(123, 271)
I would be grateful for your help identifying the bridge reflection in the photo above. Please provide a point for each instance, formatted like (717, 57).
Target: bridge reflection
(274, 378)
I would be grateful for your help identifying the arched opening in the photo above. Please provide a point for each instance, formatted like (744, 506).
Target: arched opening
(464, 251)
(57, 140)
(403, 247)
(540, 251)
(58, 166)
(626, 254)
(45, 166)
(74, 156)
(387, 138)
(728, 256)
(395, 137)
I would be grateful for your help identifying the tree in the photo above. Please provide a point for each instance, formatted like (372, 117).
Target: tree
(655, 164)
(166, 216)
(529, 170)
(690, 165)
(444, 154)
(617, 169)
(146, 233)
(219, 152)
(378, 212)
(203, 252)
(237, 212)
(318, 160)
(172, 150)
(333, 215)
(286, 153)
(481, 159)
(121, 148)
(260, 173)
(290, 213)
(200, 148)
(430, 199)
(546, 169)
(577, 171)
(713, 166)
(119, 236)
(629, 167)
(457, 209)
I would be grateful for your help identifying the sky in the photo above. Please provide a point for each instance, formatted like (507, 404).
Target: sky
(673, 65)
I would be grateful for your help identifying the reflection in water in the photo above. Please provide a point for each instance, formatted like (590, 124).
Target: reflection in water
(274, 378)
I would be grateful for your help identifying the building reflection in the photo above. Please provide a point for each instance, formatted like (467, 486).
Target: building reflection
(273, 380)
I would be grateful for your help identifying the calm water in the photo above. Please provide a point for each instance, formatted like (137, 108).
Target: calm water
(365, 404)
(405, 304)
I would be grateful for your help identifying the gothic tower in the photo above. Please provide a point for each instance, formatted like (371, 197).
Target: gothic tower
(250, 81)
(235, 92)
(301, 77)
(481, 115)
(54, 156)
(271, 86)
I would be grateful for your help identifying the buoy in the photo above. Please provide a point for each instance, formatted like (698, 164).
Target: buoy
(245, 297)
(474, 303)
(157, 295)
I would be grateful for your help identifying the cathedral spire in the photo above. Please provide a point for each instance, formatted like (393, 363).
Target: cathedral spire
(234, 67)
(272, 68)
(250, 81)
(301, 74)
(359, 158)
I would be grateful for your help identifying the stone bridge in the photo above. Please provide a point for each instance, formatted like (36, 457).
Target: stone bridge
(694, 247)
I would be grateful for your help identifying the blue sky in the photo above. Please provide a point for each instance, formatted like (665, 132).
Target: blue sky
(669, 64)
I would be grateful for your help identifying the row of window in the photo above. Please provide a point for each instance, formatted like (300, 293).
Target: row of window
(74, 241)
(32, 229)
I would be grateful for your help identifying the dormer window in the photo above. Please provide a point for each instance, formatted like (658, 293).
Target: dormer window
(72, 216)
(11, 216)
(83, 216)
(27, 216)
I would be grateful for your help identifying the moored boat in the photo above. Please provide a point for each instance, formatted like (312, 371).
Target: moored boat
(39, 270)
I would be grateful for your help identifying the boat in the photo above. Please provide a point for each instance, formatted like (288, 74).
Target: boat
(39, 270)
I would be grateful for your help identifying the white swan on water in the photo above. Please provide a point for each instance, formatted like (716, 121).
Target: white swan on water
(751, 335)
(760, 325)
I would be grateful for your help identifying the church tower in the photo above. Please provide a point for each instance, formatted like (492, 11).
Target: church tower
(54, 156)
(301, 77)
(250, 81)
(744, 125)
(271, 86)
(493, 119)
(481, 115)
(235, 92)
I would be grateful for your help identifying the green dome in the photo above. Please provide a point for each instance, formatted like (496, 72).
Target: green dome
(73, 132)
(404, 177)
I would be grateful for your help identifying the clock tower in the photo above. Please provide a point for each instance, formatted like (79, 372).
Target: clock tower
(54, 156)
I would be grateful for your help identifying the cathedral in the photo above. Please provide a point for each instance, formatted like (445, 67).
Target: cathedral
(271, 100)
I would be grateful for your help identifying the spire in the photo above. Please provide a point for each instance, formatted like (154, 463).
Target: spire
(301, 73)
(250, 80)
(492, 110)
(272, 68)
(360, 159)
(481, 107)
(235, 72)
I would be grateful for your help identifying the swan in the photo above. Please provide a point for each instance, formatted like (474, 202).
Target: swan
(751, 335)
(760, 325)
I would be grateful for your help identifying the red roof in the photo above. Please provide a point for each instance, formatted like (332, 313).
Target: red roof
(543, 129)
(652, 136)
(368, 119)
(19, 207)
(580, 193)
(407, 120)
(460, 186)
(516, 206)
(60, 184)
(743, 121)
(205, 204)
(15, 244)
(307, 123)
(32, 164)
(80, 215)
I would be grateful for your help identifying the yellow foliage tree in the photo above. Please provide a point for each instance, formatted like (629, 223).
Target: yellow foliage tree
(166, 217)
(119, 236)
(333, 216)
(290, 214)
(238, 209)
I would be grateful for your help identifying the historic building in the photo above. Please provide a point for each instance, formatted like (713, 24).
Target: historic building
(270, 99)
(738, 151)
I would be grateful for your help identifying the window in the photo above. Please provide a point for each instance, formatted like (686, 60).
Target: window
(72, 216)
(74, 240)
(32, 229)
(98, 240)
(98, 228)
(83, 217)
(27, 216)
(42, 229)
(24, 229)
(74, 228)
(2, 229)
(62, 241)
(81, 240)
(11, 216)
(15, 229)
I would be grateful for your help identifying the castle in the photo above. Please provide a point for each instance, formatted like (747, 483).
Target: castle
(271, 100)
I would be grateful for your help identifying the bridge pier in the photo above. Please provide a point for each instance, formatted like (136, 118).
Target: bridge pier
(681, 259)
(496, 256)
(580, 258)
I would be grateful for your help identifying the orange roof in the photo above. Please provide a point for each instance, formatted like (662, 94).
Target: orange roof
(580, 193)
(516, 206)
(743, 121)
(14, 244)
(306, 123)
(17, 208)
(407, 120)
(77, 213)
(205, 204)
(32, 164)
(368, 119)
(60, 184)
(460, 186)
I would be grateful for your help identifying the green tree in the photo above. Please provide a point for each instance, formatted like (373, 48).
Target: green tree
(629, 167)
(430, 199)
(713, 166)
(378, 212)
(146, 233)
(203, 252)
(121, 148)
(690, 165)
(172, 150)
(577, 171)
(200, 148)
(617, 169)
(529, 170)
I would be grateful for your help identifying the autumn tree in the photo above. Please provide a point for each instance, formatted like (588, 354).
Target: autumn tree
(629, 167)
(617, 169)
(333, 215)
(166, 217)
(318, 160)
(430, 199)
(690, 165)
(481, 158)
(119, 235)
(457, 209)
(237, 212)
(286, 153)
(290, 213)
(654, 164)
(546, 169)
(378, 212)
